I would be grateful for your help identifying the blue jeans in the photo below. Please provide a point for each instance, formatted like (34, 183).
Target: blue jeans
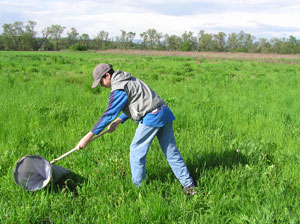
(139, 147)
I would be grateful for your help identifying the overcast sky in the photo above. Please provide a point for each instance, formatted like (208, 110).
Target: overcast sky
(261, 18)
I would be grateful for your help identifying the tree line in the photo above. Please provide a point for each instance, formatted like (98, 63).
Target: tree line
(23, 37)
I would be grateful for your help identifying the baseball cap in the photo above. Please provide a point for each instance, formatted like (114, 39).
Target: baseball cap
(99, 71)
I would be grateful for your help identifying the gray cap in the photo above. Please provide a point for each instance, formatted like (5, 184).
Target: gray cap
(99, 71)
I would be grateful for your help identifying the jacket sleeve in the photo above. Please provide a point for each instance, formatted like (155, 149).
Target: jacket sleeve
(117, 100)
(123, 117)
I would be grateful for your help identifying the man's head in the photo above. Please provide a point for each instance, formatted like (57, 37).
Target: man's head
(102, 71)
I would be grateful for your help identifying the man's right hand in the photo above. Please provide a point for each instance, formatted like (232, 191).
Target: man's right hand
(84, 141)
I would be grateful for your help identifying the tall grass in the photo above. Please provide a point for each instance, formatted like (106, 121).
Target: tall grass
(237, 127)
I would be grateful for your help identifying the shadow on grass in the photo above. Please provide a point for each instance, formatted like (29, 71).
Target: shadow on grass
(212, 160)
(70, 181)
(198, 163)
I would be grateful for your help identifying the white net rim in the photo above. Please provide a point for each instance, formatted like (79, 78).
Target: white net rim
(32, 172)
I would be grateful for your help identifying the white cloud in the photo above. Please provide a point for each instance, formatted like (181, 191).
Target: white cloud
(166, 16)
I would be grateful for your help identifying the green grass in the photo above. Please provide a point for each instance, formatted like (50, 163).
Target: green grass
(237, 127)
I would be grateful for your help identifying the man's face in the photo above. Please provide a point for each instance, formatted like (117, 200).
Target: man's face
(105, 81)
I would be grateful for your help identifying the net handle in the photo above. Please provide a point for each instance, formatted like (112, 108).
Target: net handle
(76, 149)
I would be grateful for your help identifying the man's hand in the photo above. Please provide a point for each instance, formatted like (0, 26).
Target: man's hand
(112, 127)
(84, 141)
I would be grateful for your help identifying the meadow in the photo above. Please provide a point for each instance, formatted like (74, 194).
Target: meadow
(237, 127)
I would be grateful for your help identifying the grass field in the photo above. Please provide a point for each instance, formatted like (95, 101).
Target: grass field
(237, 127)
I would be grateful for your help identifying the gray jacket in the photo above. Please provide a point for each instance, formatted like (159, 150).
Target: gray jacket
(141, 98)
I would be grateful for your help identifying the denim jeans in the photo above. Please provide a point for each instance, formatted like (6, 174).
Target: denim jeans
(141, 142)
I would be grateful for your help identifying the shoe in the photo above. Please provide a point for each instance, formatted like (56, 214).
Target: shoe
(190, 190)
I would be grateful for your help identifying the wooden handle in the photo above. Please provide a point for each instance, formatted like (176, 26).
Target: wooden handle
(64, 155)
(97, 136)
(76, 149)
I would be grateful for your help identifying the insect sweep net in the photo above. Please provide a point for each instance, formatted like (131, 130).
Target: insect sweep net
(35, 172)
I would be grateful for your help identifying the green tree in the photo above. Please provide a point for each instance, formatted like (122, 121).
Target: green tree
(144, 37)
(154, 38)
(277, 45)
(72, 37)
(264, 46)
(126, 39)
(249, 43)
(151, 39)
(240, 41)
(219, 41)
(245, 42)
(44, 44)
(172, 42)
(55, 32)
(130, 38)
(232, 42)
(8, 37)
(102, 39)
(293, 45)
(122, 40)
(13, 35)
(1, 43)
(84, 40)
(29, 38)
(205, 41)
(188, 42)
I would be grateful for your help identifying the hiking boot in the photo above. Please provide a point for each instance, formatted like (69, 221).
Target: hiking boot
(190, 190)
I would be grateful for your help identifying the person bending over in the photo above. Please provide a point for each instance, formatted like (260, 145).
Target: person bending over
(147, 109)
